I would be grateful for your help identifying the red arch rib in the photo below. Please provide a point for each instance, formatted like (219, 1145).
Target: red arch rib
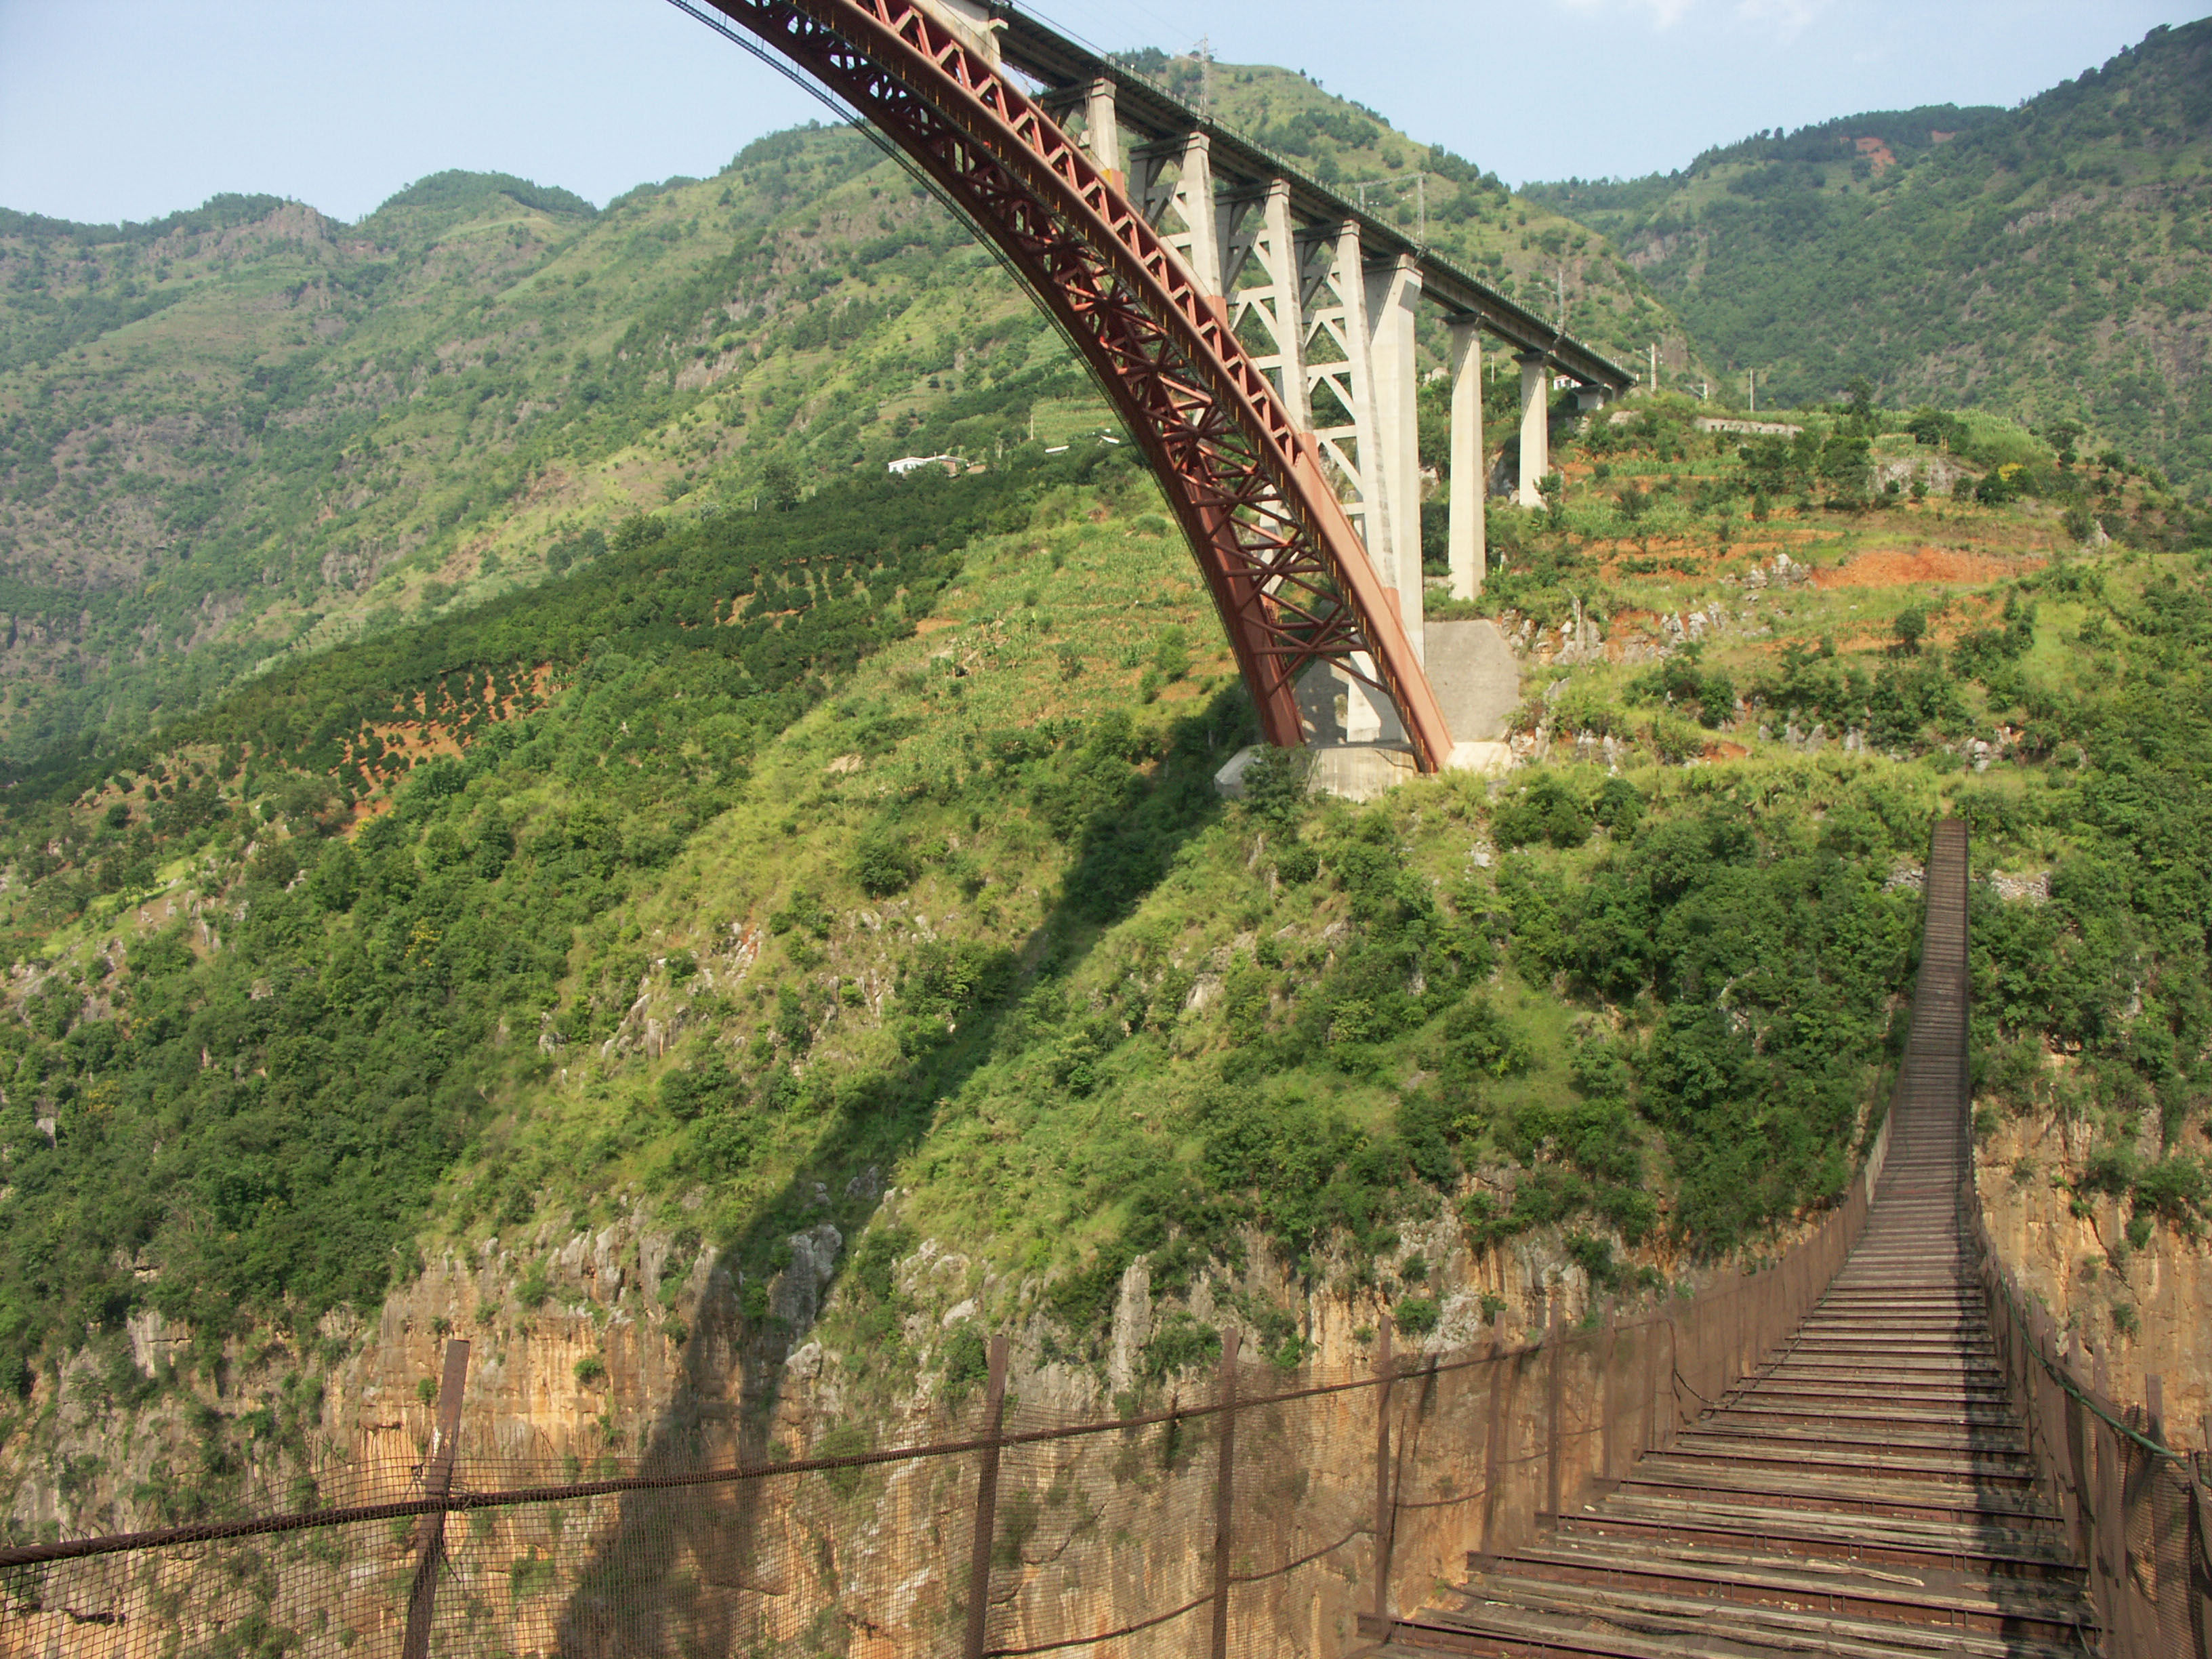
(1286, 571)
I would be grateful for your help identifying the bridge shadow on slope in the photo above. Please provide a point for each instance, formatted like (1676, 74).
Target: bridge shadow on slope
(683, 1570)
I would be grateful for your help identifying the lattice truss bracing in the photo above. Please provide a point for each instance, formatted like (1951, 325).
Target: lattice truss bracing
(1226, 424)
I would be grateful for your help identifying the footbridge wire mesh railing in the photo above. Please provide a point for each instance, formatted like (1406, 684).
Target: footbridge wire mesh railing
(1265, 1516)
(2134, 1509)
(1263, 1512)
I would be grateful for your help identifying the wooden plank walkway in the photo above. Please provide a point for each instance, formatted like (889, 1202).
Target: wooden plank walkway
(1867, 1492)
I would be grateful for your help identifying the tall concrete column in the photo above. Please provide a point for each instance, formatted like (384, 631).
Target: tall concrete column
(1285, 309)
(1536, 426)
(1194, 203)
(1339, 708)
(1393, 294)
(1469, 482)
(1355, 386)
(1101, 130)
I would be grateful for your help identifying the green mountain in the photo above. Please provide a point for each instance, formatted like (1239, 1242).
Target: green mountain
(250, 430)
(552, 779)
(2051, 262)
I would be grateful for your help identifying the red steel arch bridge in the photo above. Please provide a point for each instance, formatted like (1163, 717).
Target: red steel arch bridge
(1254, 330)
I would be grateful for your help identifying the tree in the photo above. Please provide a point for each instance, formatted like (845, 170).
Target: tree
(1171, 656)
(1911, 626)
(639, 530)
(1847, 466)
(1860, 394)
(779, 484)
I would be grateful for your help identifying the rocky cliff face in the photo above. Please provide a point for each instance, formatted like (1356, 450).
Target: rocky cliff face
(2147, 1312)
(606, 1352)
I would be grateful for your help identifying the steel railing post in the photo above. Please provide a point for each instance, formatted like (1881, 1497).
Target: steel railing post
(437, 1482)
(1554, 1390)
(987, 1502)
(1225, 1493)
(1383, 1514)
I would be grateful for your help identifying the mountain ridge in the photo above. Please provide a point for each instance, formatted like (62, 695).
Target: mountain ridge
(2049, 261)
(249, 430)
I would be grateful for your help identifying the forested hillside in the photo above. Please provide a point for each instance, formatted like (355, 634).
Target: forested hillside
(769, 862)
(248, 429)
(498, 773)
(2050, 262)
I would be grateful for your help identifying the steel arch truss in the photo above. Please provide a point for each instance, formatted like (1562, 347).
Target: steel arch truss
(1291, 578)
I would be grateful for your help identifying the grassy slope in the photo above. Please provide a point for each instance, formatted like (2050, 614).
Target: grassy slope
(250, 428)
(2049, 261)
(328, 428)
(962, 908)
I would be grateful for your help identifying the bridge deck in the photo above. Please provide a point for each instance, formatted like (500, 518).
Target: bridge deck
(1867, 1492)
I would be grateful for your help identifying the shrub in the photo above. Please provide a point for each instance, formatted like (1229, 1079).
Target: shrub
(1675, 741)
(1171, 656)
(882, 865)
(1593, 1254)
(1275, 785)
(1181, 1343)
(591, 1371)
(2177, 1188)
(639, 530)
(690, 1091)
(1620, 807)
(966, 1362)
(845, 1438)
(877, 1258)
(1545, 811)
(1417, 1316)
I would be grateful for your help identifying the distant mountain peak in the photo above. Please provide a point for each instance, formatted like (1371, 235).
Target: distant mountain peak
(456, 191)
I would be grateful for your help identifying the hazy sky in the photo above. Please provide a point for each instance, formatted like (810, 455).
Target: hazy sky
(129, 109)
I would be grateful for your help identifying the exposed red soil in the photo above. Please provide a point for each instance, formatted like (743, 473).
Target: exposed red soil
(1908, 568)
(1877, 152)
